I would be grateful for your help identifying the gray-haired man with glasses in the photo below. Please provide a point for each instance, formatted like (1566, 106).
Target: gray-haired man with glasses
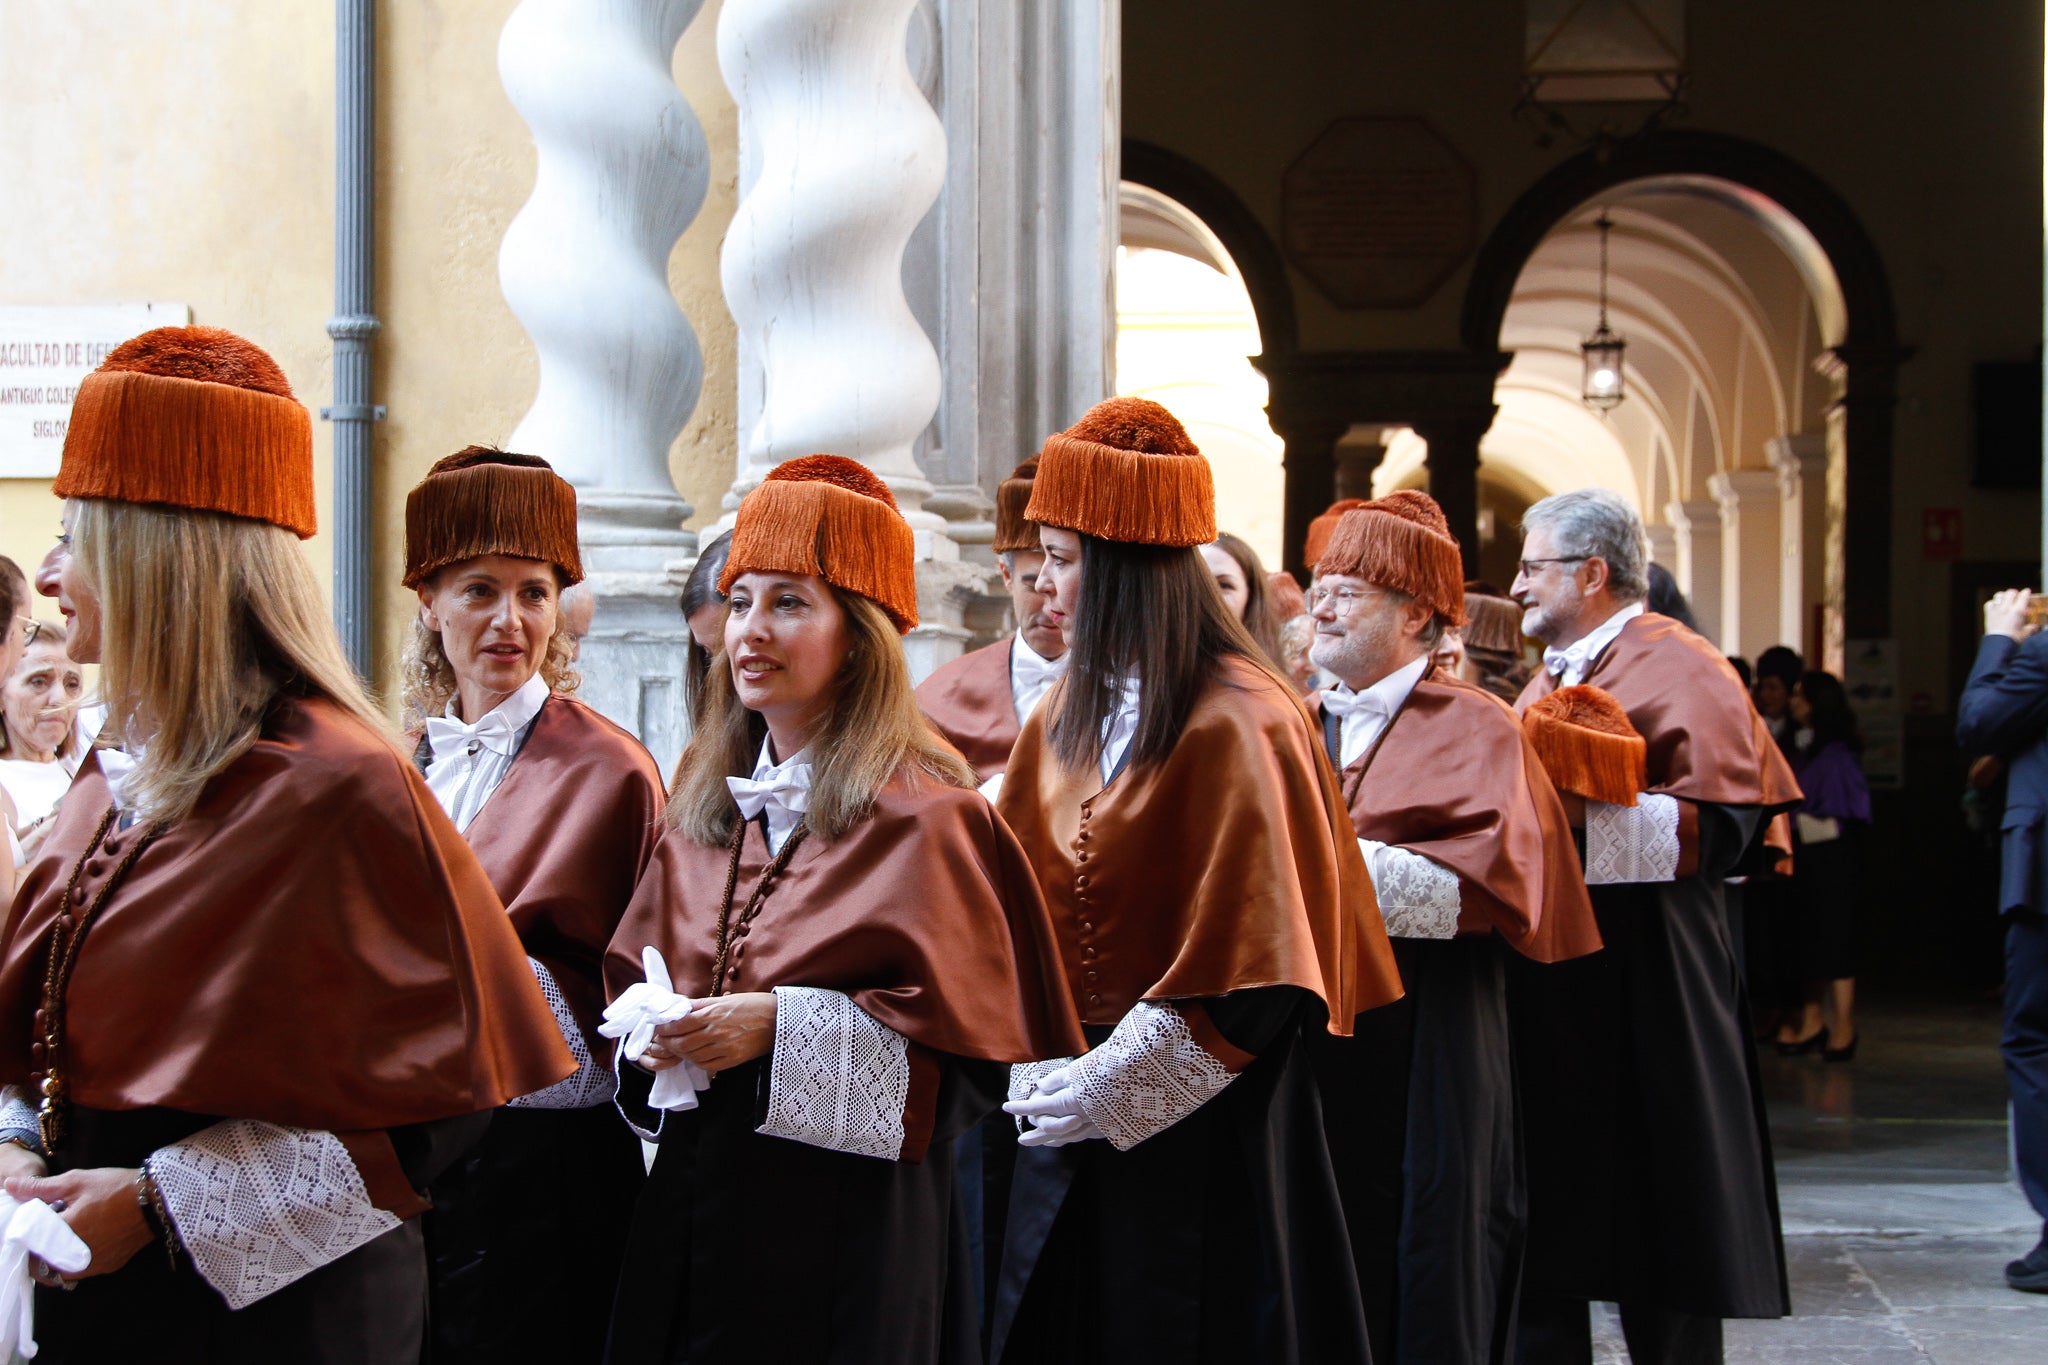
(1650, 1181)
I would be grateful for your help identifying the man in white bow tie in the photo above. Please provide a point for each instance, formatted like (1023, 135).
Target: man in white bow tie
(1650, 1182)
(980, 701)
(1469, 851)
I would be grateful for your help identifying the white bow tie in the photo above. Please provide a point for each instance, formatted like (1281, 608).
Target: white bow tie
(495, 732)
(789, 791)
(1027, 669)
(1562, 661)
(1344, 705)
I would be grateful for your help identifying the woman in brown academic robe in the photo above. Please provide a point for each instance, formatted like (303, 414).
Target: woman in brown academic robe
(562, 808)
(862, 950)
(1175, 1199)
(255, 979)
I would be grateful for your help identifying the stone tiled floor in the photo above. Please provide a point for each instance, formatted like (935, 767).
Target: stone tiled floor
(1898, 1210)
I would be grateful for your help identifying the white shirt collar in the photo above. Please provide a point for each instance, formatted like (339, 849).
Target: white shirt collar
(1570, 664)
(520, 706)
(463, 776)
(1031, 677)
(1363, 715)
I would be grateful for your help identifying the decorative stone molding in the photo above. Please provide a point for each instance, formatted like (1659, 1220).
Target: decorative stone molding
(1696, 526)
(1801, 462)
(622, 169)
(1752, 558)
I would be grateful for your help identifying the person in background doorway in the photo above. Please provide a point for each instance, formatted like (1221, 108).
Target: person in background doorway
(1650, 1177)
(2004, 711)
(40, 748)
(579, 611)
(1826, 752)
(1665, 598)
(1777, 672)
(981, 700)
(704, 612)
(1241, 578)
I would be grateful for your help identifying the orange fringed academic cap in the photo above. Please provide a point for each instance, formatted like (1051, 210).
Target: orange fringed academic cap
(192, 417)
(1588, 745)
(1401, 542)
(1014, 530)
(1126, 472)
(1285, 595)
(481, 501)
(1318, 538)
(830, 516)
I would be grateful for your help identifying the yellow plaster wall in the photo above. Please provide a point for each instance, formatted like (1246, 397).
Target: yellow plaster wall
(180, 151)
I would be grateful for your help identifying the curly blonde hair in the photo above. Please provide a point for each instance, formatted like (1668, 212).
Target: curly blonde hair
(428, 679)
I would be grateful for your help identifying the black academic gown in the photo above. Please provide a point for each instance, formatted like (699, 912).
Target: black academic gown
(1225, 1228)
(1649, 1156)
(733, 1226)
(367, 1306)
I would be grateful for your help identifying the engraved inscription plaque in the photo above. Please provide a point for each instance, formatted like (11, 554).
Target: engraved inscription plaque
(1378, 212)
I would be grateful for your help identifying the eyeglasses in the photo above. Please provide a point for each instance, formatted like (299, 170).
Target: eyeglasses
(30, 630)
(1343, 598)
(1530, 566)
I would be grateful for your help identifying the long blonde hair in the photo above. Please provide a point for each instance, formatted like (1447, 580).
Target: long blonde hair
(205, 620)
(873, 728)
(427, 678)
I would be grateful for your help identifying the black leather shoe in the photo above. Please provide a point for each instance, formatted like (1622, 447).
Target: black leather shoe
(1816, 1039)
(1840, 1054)
(2030, 1272)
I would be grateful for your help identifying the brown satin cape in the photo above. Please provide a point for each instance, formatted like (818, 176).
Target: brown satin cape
(1228, 866)
(564, 839)
(924, 913)
(1706, 740)
(969, 702)
(314, 945)
(1441, 781)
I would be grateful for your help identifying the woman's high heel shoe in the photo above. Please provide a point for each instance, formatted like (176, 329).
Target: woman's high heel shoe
(1841, 1054)
(1817, 1039)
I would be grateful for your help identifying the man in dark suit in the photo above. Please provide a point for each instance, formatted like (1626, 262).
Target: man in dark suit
(2004, 711)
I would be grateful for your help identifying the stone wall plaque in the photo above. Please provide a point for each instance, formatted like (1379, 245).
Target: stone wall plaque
(1378, 212)
(44, 353)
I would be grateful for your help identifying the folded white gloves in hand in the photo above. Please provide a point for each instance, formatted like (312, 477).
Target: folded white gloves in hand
(1054, 1108)
(31, 1229)
(633, 1017)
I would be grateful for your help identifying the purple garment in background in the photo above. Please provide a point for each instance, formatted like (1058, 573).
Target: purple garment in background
(1833, 782)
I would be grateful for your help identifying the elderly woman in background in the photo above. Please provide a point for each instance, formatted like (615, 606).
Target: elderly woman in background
(704, 612)
(258, 992)
(40, 747)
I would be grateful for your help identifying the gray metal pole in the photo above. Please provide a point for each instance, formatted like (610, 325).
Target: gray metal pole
(353, 325)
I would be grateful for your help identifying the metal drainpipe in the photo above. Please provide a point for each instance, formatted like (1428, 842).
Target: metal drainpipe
(353, 325)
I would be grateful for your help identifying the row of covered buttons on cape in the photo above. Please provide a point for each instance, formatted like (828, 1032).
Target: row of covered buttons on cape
(1090, 977)
(92, 879)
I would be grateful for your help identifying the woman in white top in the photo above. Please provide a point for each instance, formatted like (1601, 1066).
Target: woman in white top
(39, 743)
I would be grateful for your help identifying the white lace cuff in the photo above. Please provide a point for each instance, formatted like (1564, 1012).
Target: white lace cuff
(257, 1206)
(1024, 1077)
(1636, 843)
(838, 1078)
(590, 1083)
(1418, 898)
(18, 1116)
(1148, 1075)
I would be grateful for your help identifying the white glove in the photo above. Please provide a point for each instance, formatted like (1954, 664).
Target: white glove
(31, 1229)
(1054, 1108)
(633, 1017)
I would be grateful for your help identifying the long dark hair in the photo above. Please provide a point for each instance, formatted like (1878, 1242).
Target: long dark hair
(700, 590)
(1152, 611)
(1834, 720)
(1259, 618)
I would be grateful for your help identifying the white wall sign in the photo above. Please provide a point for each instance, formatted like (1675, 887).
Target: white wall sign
(44, 353)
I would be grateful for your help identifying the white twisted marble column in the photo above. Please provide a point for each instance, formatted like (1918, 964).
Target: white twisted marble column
(623, 168)
(843, 156)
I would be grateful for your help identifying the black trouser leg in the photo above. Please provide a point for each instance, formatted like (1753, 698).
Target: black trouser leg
(1554, 1331)
(2025, 1047)
(1665, 1336)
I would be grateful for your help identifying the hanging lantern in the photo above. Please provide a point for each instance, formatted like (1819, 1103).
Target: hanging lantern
(1603, 387)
